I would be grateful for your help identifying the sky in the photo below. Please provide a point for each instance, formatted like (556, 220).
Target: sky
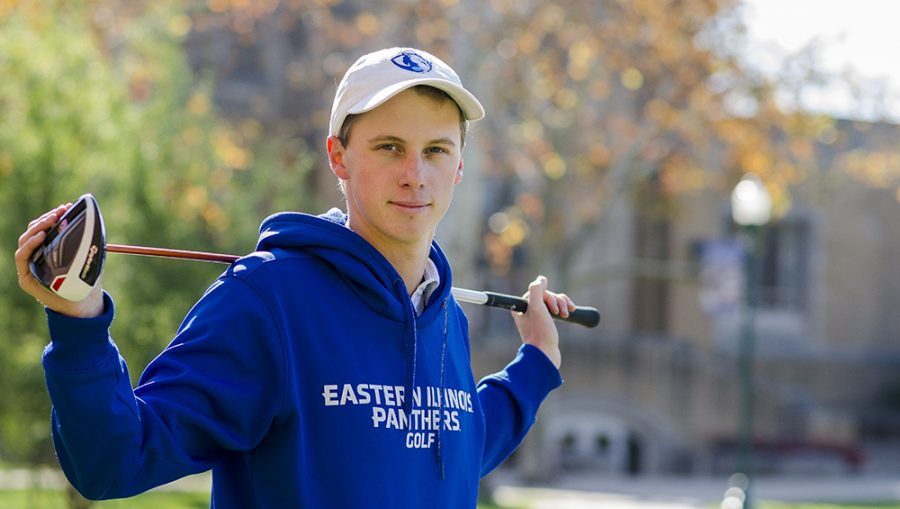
(860, 36)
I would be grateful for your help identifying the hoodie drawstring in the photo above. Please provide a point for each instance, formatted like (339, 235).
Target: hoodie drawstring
(411, 340)
(440, 438)
(410, 382)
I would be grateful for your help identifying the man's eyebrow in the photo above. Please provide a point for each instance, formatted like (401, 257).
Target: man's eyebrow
(442, 141)
(389, 138)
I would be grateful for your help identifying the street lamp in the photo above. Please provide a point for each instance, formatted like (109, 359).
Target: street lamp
(751, 204)
(751, 209)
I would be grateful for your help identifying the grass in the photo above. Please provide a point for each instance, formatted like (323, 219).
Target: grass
(818, 505)
(52, 499)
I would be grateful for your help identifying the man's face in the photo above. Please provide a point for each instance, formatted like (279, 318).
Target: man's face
(399, 168)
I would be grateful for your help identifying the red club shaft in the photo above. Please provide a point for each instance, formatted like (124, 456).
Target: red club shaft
(171, 253)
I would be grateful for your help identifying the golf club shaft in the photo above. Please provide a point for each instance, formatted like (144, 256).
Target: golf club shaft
(586, 316)
(162, 252)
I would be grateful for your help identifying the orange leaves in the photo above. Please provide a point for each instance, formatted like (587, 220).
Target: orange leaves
(582, 57)
(878, 168)
(550, 17)
(679, 176)
(662, 113)
(254, 8)
(228, 149)
(554, 166)
(755, 161)
(179, 25)
(7, 6)
(240, 16)
(198, 104)
(528, 43)
(368, 24)
(599, 155)
(507, 230)
(631, 78)
(6, 164)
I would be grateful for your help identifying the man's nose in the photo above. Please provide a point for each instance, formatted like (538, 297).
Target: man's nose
(413, 174)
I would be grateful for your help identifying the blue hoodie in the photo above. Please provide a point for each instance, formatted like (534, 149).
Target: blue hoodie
(303, 379)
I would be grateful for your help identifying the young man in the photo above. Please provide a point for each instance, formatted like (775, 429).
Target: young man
(331, 368)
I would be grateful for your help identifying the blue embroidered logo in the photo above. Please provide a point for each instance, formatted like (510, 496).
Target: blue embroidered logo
(411, 61)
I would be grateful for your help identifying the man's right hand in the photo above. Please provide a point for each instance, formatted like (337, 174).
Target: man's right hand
(34, 235)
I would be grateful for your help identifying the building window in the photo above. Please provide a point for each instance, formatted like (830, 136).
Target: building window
(785, 257)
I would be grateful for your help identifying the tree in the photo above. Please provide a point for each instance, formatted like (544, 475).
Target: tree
(99, 98)
(588, 102)
(613, 99)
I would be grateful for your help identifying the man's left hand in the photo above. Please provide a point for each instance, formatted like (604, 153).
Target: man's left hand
(536, 326)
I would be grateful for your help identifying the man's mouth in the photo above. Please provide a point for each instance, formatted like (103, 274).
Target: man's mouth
(410, 206)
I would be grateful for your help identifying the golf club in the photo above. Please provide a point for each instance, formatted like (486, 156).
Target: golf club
(586, 316)
(70, 261)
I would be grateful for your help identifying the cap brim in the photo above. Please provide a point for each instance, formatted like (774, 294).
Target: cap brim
(471, 108)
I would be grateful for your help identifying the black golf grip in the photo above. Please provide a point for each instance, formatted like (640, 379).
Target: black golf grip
(583, 315)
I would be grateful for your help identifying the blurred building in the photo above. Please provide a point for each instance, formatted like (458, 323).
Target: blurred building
(655, 389)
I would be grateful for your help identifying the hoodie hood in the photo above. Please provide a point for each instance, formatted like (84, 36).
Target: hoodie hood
(362, 266)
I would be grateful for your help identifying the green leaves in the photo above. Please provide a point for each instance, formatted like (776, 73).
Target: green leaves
(99, 98)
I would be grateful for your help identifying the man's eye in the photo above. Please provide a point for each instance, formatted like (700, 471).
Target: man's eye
(438, 150)
(390, 147)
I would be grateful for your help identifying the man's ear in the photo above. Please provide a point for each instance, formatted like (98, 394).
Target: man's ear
(336, 153)
(459, 172)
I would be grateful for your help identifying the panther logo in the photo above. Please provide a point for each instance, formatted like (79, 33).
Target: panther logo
(412, 61)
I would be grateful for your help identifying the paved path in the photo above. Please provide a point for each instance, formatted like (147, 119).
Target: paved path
(550, 498)
(589, 492)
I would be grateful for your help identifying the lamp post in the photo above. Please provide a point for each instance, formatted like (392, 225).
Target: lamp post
(751, 209)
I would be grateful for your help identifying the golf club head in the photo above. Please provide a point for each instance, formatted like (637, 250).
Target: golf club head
(70, 260)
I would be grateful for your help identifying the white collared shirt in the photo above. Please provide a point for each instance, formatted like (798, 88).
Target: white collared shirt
(430, 281)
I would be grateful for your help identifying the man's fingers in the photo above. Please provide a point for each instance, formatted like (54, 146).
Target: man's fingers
(56, 212)
(25, 250)
(536, 327)
(563, 303)
(36, 227)
(32, 238)
(26, 281)
(40, 218)
(536, 292)
(27, 247)
(47, 220)
(566, 304)
(557, 303)
(551, 302)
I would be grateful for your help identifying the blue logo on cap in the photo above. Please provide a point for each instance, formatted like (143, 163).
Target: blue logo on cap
(412, 61)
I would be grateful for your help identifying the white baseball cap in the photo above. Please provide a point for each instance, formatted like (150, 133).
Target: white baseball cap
(380, 75)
